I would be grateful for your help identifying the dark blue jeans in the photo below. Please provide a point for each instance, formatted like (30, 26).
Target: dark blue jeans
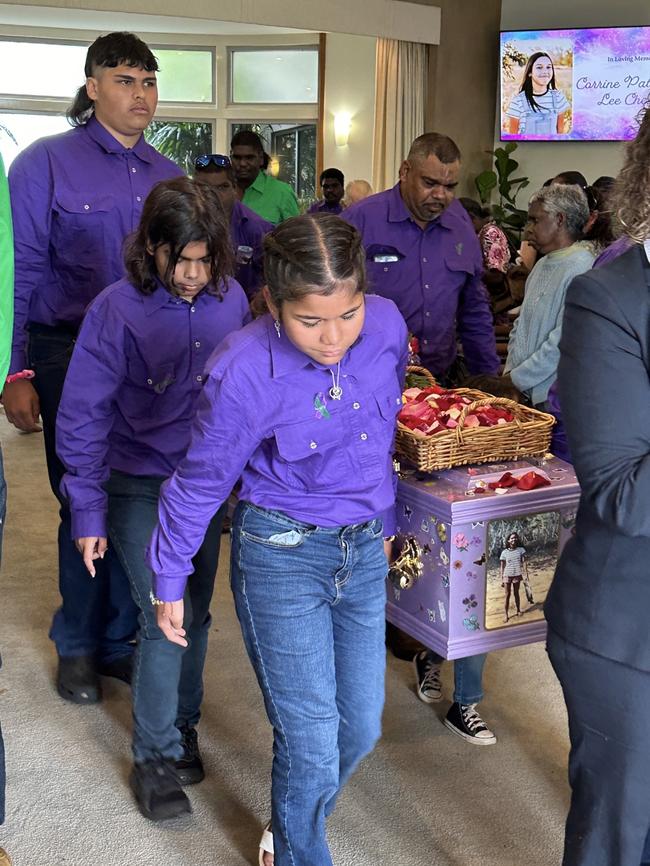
(311, 603)
(3, 512)
(609, 764)
(97, 616)
(167, 679)
(468, 677)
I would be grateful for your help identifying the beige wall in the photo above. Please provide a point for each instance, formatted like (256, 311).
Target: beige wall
(541, 160)
(350, 87)
(396, 19)
(463, 81)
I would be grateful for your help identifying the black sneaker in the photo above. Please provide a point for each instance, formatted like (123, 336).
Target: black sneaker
(157, 790)
(464, 720)
(190, 767)
(427, 671)
(77, 680)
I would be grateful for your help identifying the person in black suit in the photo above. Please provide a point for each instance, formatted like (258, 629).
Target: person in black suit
(598, 606)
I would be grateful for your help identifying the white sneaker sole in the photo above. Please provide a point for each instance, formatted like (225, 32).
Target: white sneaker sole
(426, 699)
(476, 741)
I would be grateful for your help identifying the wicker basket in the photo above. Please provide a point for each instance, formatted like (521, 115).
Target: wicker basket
(529, 434)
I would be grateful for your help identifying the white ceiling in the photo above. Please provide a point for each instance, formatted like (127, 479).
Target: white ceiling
(83, 19)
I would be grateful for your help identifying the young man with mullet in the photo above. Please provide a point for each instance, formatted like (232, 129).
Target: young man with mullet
(75, 198)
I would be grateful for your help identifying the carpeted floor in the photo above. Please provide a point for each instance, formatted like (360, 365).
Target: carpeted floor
(424, 797)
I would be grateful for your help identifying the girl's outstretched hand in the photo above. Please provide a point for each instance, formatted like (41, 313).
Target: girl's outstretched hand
(170, 621)
(91, 548)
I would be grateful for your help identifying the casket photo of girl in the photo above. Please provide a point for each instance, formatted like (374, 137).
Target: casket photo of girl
(522, 553)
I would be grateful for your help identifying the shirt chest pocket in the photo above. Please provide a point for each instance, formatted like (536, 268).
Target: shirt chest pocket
(313, 453)
(82, 221)
(387, 401)
(460, 267)
(385, 267)
(150, 384)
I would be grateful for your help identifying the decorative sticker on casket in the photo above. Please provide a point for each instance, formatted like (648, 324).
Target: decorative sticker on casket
(461, 542)
(442, 611)
(470, 602)
(471, 623)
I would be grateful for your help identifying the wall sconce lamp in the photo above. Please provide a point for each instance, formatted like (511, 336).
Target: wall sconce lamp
(342, 126)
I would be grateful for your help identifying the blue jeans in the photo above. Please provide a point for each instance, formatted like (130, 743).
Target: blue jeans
(167, 679)
(311, 604)
(97, 616)
(3, 513)
(468, 677)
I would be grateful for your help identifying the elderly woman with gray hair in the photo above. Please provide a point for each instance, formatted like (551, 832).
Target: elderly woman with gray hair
(557, 215)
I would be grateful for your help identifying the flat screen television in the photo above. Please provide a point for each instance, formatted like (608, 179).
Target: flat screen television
(574, 85)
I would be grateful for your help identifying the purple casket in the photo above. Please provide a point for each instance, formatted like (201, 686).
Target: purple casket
(456, 603)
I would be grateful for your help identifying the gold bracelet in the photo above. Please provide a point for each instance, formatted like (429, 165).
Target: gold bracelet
(156, 602)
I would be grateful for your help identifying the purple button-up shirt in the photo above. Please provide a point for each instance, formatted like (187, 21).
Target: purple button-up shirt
(75, 197)
(613, 251)
(132, 386)
(265, 414)
(434, 277)
(247, 229)
(324, 207)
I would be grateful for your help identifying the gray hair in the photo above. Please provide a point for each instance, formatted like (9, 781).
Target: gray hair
(568, 199)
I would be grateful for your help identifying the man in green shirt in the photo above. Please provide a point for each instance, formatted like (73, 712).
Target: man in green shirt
(6, 330)
(269, 197)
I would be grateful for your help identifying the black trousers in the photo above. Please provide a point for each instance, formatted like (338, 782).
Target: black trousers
(608, 704)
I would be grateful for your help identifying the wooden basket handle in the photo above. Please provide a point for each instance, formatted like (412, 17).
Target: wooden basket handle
(481, 404)
(421, 371)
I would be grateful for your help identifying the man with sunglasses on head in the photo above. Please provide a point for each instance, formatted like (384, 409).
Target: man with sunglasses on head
(75, 198)
(247, 229)
(269, 197)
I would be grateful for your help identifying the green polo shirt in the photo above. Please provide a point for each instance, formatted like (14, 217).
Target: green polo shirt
(271, 198)
(6, 276)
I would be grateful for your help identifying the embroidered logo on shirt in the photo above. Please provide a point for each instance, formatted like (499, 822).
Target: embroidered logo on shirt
(320, 405)
(459, 248)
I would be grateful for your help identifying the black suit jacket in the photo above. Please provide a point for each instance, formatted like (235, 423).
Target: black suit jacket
(600, 596)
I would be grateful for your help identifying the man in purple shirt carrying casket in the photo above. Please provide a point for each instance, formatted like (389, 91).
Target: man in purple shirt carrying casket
(75, 198)
(422, 253)
(247, 229)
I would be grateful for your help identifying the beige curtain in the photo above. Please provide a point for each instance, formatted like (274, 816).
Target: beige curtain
(400, 98)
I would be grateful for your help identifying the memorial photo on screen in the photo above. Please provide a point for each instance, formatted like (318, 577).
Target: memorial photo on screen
(577, 85)
(522, 554)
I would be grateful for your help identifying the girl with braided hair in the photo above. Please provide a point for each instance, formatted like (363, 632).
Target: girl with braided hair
(301, 404)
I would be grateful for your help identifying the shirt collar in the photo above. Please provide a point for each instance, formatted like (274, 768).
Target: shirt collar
(286, 358)
(161, 296)
(398, 212)
(259, 184)
(646, 247)
(110, 144)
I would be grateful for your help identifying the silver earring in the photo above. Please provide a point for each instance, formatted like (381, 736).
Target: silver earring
(276, 325)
